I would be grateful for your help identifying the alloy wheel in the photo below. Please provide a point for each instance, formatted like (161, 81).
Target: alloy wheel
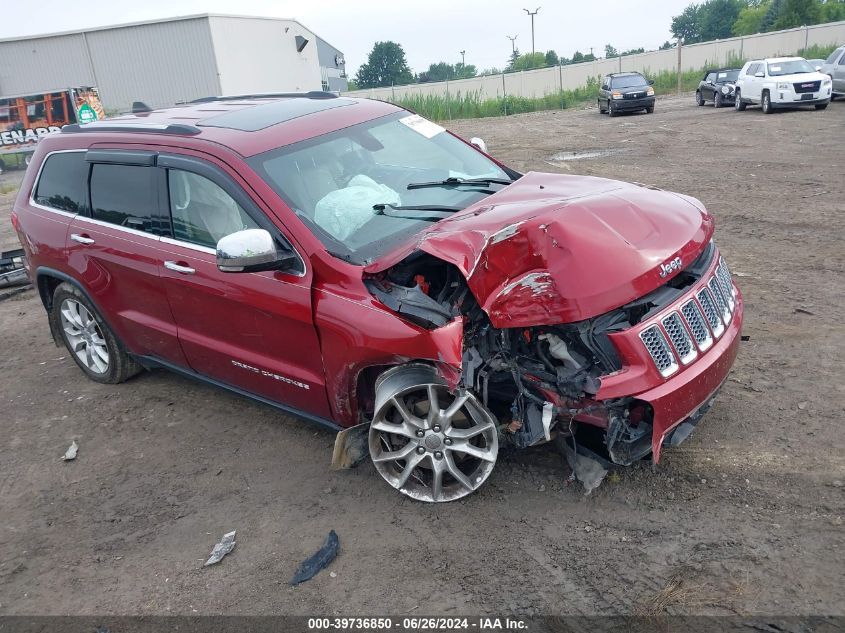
(84, 336)
(429, 443)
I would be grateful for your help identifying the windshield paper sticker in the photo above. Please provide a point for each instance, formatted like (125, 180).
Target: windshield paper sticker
(422, 126)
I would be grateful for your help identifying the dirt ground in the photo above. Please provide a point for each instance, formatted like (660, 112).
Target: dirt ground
(745, 517)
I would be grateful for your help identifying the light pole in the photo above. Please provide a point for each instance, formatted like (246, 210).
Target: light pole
(535, 12)
(513, 42)
(463, 58)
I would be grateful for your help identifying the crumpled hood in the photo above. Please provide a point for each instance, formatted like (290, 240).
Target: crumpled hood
(556, 249)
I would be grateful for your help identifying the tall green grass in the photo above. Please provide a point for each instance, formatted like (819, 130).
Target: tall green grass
(817, 52)
(471, 105)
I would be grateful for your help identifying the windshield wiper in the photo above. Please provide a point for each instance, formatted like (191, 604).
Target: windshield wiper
(437, 208)
(455, 182)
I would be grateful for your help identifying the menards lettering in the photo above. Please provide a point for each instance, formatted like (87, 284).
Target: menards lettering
(29, 135)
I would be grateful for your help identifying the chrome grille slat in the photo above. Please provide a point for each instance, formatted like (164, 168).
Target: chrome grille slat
(727, 277)
(659, 350)
(710, 312)
(680, 338)
(725, 286)
(695, 320)
(721, 304)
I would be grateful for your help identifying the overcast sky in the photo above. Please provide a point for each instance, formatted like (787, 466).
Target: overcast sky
(429, 30)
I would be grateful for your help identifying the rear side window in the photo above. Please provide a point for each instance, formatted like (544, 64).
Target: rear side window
(125, 195)
(64, 182)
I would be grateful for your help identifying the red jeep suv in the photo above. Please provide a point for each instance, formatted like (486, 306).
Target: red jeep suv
(354, 264)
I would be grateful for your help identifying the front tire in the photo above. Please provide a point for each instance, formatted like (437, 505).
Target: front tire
(649, 110)
(739, 105)
(89, 340)
(766, 103)
(698, 98)
(821, 106)
(428, 442)
(717, 101)
(611, 110)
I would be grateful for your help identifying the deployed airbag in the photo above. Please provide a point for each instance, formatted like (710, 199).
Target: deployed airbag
(344, 211)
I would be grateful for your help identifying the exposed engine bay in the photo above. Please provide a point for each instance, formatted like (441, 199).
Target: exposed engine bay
(534, 380)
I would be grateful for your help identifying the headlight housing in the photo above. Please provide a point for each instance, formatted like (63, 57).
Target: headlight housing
(784, 85)
(616, 95)
(826, 81)
(726, 90)
(649, 92)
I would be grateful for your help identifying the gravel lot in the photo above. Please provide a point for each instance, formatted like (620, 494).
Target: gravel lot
(746, 517)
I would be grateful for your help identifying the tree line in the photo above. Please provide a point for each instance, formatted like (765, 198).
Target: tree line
(720, 19)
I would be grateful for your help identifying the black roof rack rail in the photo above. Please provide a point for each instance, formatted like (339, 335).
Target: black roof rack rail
(120, 126)
(314, 94)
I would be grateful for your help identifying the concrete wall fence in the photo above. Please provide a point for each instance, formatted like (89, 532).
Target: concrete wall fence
(544, 81)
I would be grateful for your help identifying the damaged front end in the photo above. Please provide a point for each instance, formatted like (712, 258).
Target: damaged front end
(613, 389)
(435, 441)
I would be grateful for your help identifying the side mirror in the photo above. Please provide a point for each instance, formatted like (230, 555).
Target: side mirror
(605, 87)
(651, 82)
(818, 67)
(250, 251)
(760, 74)
(479, 143)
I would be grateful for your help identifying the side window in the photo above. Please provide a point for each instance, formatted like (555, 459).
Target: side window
(201, 212)
(842, 59)
(832, 57)
(124, 195)
(63, 183)
(711, 77)
(751, 70)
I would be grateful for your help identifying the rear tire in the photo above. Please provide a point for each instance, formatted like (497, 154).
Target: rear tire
(698, 98)
(740, 104)
(766, 102)
(89, 340)
(821, 106)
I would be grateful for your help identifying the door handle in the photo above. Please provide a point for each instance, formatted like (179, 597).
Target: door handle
(185, 270)
(82, 239)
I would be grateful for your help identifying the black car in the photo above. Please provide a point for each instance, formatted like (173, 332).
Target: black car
(718, 86)
(625, 92)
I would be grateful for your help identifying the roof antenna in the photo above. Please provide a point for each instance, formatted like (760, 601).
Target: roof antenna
(139, 107)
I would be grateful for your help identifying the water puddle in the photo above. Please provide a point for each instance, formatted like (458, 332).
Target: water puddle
(584, 154)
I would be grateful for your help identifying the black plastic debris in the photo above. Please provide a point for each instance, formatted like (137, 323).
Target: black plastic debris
(319, 561)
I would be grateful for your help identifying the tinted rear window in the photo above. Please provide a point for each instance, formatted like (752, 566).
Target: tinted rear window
(124, 195)
(64, 182)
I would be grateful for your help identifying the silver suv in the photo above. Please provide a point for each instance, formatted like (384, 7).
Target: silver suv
(834, 67)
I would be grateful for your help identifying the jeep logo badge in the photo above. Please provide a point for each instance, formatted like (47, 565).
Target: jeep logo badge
(670, 267)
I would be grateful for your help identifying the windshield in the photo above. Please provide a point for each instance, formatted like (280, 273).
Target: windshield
(794, 67)
(727, 75)
(630, 81)
(332, 182)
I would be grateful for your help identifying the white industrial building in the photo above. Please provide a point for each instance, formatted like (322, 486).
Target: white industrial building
(174, 60)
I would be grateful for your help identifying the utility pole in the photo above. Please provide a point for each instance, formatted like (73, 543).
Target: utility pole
(680, 45)
(536, 11)
(463, 58)
(513, 42)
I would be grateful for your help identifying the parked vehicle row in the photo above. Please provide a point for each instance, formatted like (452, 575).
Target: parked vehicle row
(778, 82)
